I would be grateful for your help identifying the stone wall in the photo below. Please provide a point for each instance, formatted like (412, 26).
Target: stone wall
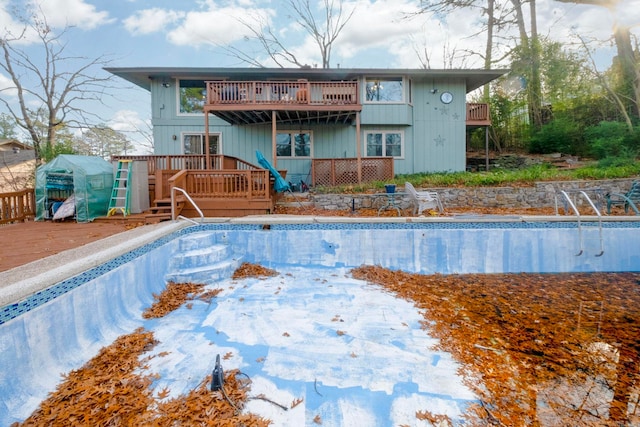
(540, 194)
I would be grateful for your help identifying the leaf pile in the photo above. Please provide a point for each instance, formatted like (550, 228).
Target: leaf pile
(105, 391)
(566, 340)
(252, 270)
(172, 297)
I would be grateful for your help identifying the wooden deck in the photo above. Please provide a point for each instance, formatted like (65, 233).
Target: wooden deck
(252, 102)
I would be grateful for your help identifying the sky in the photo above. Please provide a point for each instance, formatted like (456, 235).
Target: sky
(193, 33)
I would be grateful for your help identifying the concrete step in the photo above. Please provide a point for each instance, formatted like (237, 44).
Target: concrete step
(207, 274)
(200, 257)
(197, 240)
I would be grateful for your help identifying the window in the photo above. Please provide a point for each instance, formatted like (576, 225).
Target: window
(384, 90)
(293, 144)
(194, 143)
(384, 144)
(192, 96)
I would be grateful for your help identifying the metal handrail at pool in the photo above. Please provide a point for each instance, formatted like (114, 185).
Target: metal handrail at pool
(577, 212)
(173, 205)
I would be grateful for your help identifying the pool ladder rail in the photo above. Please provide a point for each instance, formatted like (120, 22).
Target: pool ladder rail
(581, 238)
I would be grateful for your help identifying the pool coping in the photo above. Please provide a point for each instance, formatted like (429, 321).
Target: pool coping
(21, 282)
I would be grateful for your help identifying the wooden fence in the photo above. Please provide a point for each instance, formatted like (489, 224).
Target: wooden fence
(17, 206)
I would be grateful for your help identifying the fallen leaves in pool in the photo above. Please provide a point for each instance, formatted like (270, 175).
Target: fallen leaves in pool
(173, 296)
(253, 270)
(547, 348)
(110, 390)
(552, 349)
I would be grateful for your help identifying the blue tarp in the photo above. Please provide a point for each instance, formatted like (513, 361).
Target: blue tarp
(280, 184)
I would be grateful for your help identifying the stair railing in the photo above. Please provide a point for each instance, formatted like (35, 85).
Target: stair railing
(173, 206)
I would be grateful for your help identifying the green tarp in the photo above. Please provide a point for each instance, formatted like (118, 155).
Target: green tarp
(89, 178)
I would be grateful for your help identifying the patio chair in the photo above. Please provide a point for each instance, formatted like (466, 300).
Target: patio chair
(631, 199)
(423, 200)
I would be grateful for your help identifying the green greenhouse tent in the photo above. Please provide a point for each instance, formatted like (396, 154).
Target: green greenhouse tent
(86, 179)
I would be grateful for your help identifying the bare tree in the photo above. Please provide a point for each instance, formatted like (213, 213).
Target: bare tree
(323, 30)
(102, 141)
(47, 79)
(626, 60)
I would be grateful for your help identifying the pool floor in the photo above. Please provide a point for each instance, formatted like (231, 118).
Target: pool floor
(354, 354)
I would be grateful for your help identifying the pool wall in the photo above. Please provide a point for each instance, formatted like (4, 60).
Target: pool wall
(446, 249)
(56, 334)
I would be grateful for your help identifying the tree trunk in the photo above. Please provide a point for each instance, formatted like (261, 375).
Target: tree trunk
(535, 89)
(630, 87)
(531, 51)
(488, 57)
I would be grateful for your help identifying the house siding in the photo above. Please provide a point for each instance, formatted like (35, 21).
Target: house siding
(438, 131)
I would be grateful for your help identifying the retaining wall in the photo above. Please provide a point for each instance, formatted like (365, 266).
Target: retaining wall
(540, 194)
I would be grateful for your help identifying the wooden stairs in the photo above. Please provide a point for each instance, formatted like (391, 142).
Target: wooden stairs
(161, 211)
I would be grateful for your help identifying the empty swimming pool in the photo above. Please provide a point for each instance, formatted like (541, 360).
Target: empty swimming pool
(395, 372)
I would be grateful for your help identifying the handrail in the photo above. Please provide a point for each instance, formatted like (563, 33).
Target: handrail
(173, 206)
(575, 209)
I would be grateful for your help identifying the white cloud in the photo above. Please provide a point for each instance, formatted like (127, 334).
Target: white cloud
(149, 21)
(75, 13)
(377, 24)
(217, 26)
(137, 129)
(7, 88)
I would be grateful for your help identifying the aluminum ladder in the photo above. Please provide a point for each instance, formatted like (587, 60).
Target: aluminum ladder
(120, 195)
(580, 224)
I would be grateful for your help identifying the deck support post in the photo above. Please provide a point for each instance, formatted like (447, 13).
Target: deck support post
(274, 134)
(206, 140)
(358, 148)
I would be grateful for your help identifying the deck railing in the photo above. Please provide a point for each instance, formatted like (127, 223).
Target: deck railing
(477, 112)
(300, 92)
(332, 172)
(17, 206)
(188, 161)
(247, 184)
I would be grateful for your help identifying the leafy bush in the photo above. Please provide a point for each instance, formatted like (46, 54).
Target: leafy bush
(561, 135)
(612, 143)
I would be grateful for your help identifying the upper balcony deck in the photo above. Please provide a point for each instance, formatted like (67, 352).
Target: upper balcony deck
(251, 102)
(247, 102)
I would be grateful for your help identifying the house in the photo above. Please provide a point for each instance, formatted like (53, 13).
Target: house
(321, 126)
(416, 116)
(17, 165)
